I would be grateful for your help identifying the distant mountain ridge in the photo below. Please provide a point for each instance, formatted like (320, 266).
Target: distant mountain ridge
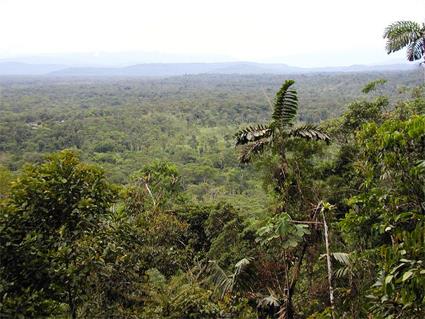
(19, 68)
(175, 69)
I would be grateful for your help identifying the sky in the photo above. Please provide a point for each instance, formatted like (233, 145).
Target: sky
(297, 32)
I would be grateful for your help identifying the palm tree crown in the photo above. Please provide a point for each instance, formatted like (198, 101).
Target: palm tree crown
(256, 139)
(408, 34)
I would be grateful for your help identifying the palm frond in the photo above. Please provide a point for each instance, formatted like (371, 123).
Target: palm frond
(342, 258)
(415, 50)
(346, 261)
(310, 132)
(226, 283)
(271, 300)
(342, 272)
(241, 264)
(220, 279)
(252, 134)
(402, 33)
(252, 149)
(244, 274)
(286, 104)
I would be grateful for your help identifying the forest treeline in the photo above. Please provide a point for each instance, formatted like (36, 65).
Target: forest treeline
(144, 208)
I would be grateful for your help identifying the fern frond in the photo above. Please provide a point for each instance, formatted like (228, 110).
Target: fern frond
(286, 104)
(251, 134)
(415, 50)
(252, 149)
(310, 132)
(402, 33)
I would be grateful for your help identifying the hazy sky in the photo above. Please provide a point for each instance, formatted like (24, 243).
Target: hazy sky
(313, 32)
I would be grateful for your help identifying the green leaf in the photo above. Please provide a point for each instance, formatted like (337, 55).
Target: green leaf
(286, 105)
(407, 275)
(388, 279)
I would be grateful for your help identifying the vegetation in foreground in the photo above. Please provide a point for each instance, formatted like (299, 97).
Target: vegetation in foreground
(72, 243)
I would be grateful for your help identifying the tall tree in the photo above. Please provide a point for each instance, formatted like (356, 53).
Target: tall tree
(275, 135)
(52, 208)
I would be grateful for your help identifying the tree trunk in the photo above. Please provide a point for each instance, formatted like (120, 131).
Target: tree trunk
(328, 260)
(423, 62)
(71, 303)
(423, 67)
(294, 280)
(71, 299)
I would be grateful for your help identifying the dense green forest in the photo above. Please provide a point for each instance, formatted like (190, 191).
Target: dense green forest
(213, 196)
(124, 124)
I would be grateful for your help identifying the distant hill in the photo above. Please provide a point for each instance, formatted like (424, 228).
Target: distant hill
(174, 69)
(369, 68)
(18, 68)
